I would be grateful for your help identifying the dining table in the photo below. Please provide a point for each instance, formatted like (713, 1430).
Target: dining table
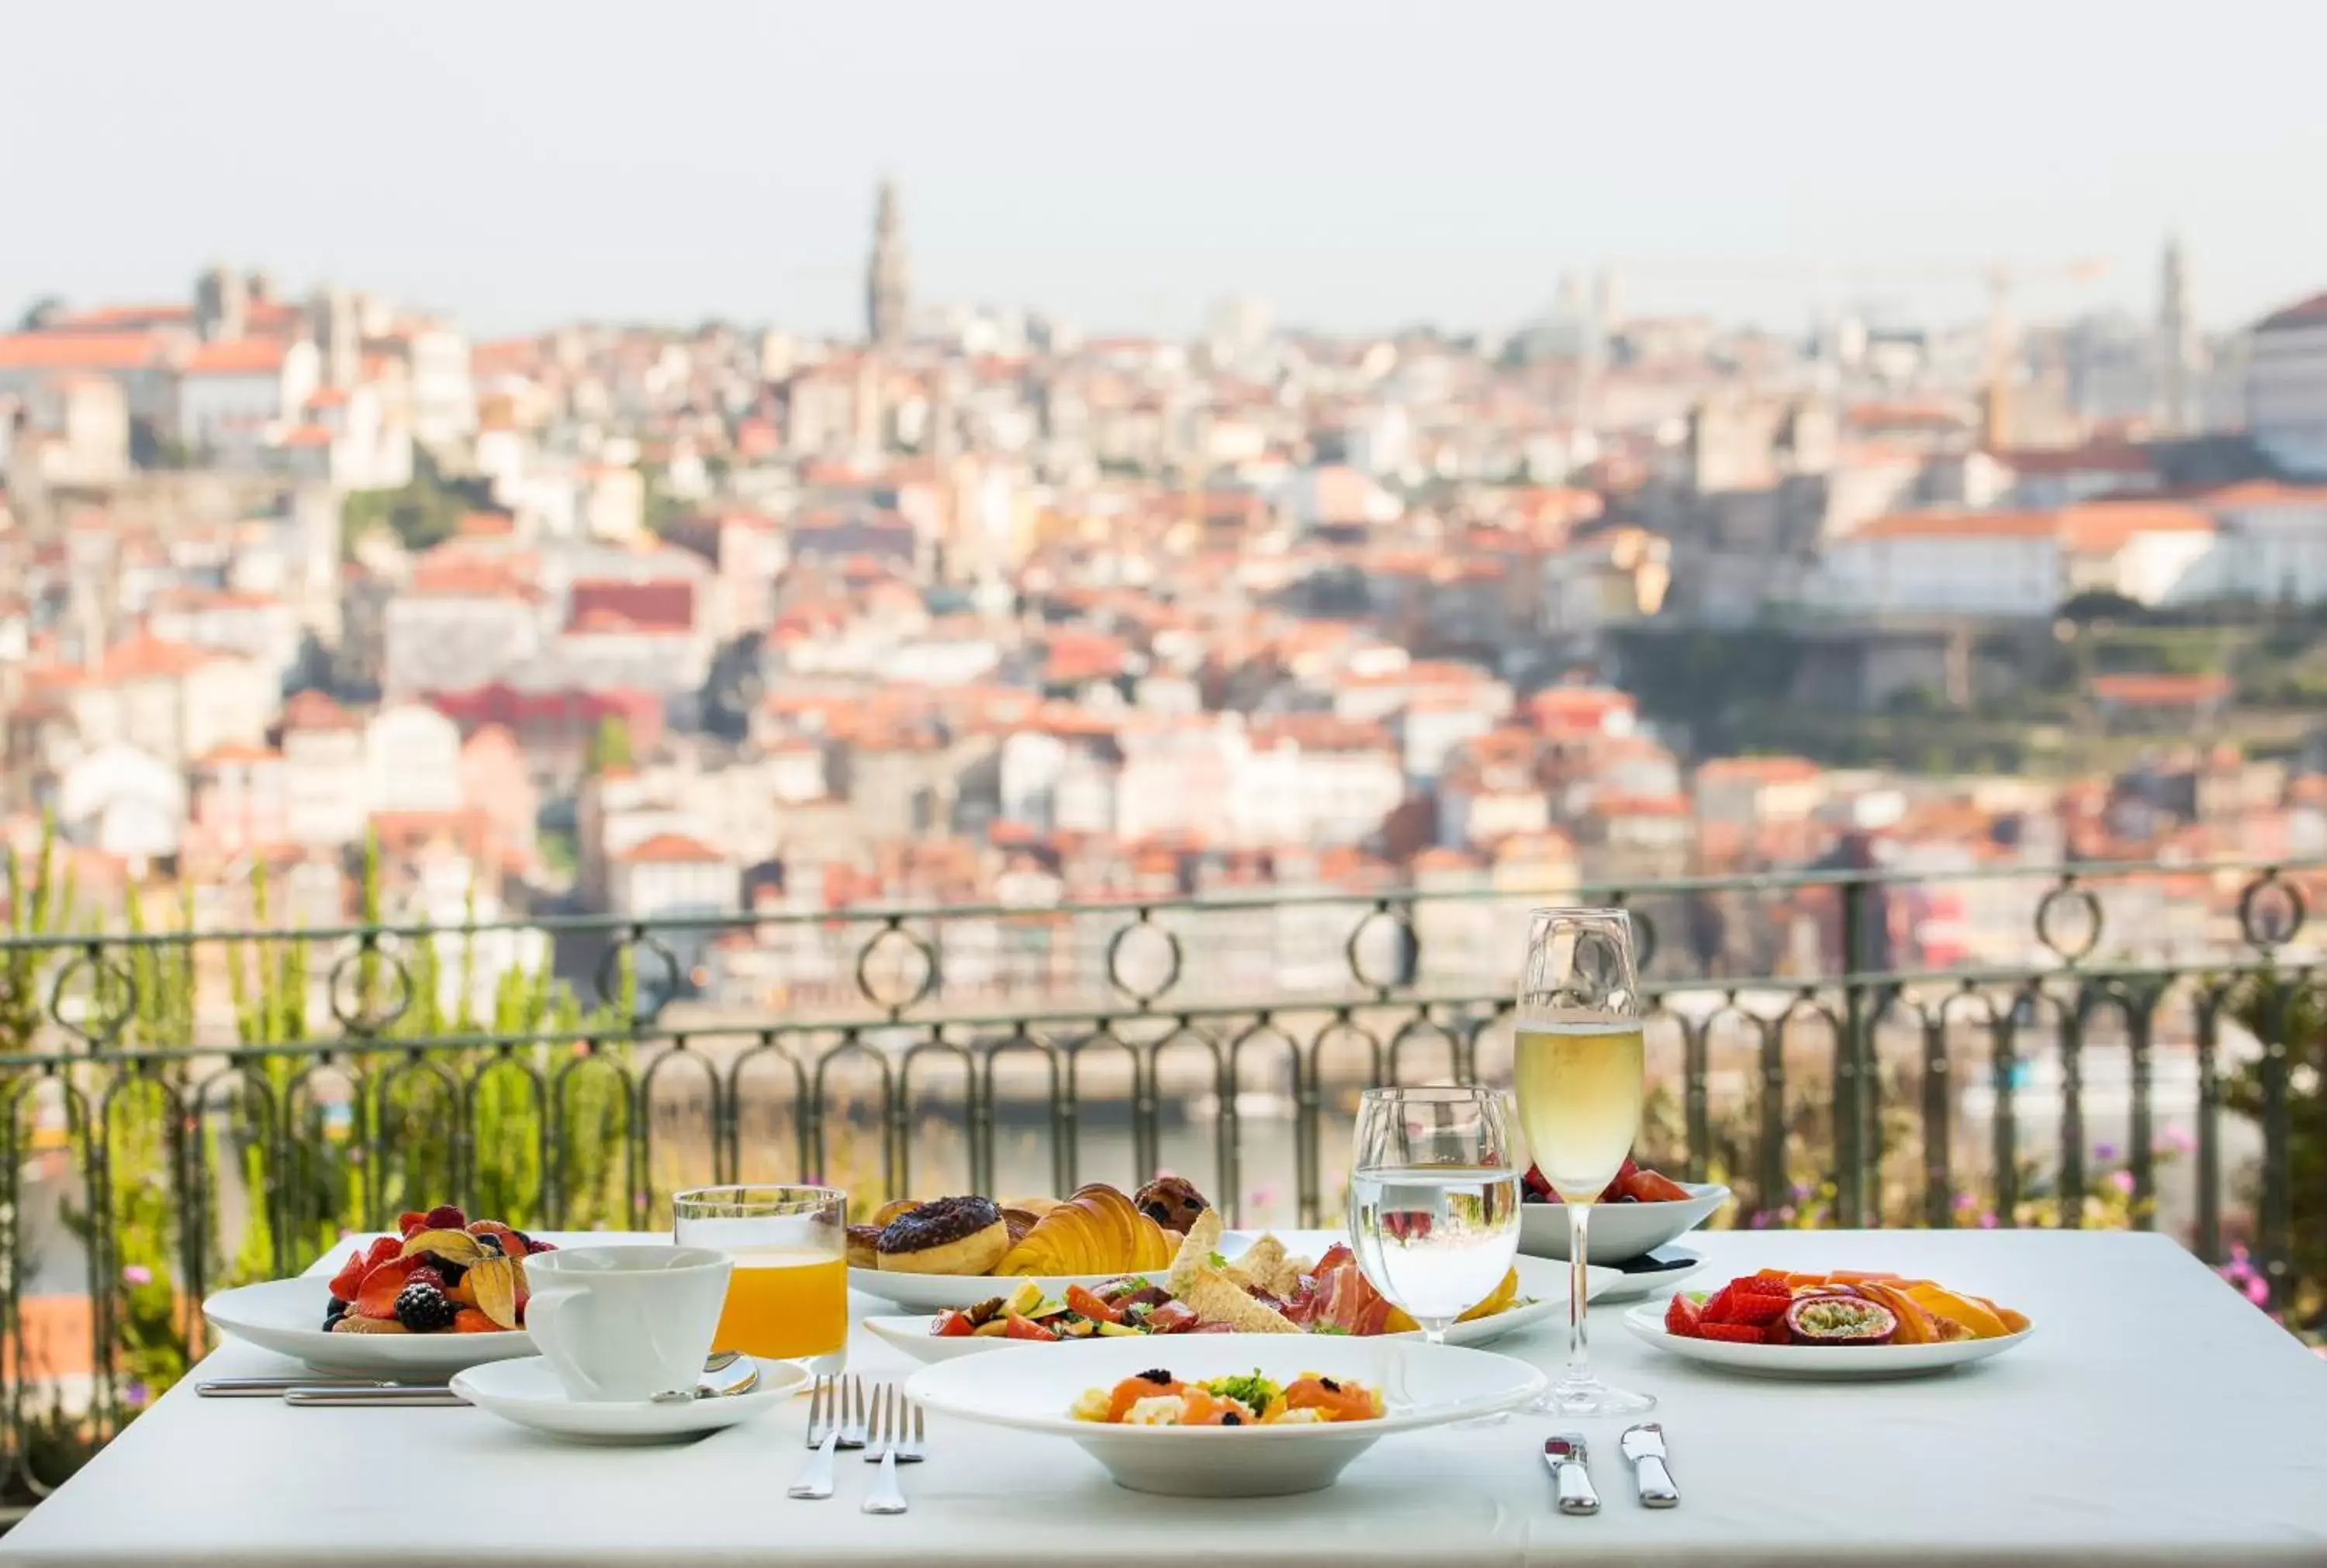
(2154, 1415)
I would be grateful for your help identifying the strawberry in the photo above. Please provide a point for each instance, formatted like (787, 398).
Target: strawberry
(1539, 1184)
(1758, 1309)
(1762, 1285)
(1731, 1333)
(410, 1220)
(1682, 1319)
(1717, 1307)
(444, 1216)
(350, 1276)
(1624, 1173)
(1778, 1333)
(382, 1250)
(376, 1298)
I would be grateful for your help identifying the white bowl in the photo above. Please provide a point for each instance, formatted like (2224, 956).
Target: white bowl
(1621, 1232)
(1543, 1287)
(1818, 1363)
(928, 1292)
(1425, 1385)
(286, 1316)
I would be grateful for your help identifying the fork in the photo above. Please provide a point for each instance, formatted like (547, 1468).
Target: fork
(852, 1429)
(886, 1496)
(823, 1436)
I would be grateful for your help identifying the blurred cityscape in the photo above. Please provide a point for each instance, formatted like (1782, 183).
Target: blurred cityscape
(972, 610)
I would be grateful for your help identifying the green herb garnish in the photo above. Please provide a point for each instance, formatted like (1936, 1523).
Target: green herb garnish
(1219, 1262)
(1254, 1393)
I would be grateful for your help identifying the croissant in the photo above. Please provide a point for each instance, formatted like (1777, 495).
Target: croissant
(1095, 1232)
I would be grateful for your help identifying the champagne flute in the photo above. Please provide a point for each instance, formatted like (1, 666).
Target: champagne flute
(1578, 1079)
(1434, 1201)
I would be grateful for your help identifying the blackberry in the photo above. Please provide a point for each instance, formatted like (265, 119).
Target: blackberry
(449, 1272)
(423, 1308)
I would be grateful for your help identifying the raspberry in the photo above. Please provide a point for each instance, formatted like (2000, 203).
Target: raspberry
(1682, 1319)
(444, 1216)
(427, 1274)
(1731, 1333)
(423, 1308)
(532, 1247)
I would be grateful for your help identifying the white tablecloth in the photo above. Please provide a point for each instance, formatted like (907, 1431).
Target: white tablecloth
(2154, 1417)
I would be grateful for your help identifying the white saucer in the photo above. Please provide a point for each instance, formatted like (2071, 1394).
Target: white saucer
(527, 1393)
(1643, 1276)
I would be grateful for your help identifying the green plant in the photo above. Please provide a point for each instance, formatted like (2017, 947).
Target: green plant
(2271, 1006)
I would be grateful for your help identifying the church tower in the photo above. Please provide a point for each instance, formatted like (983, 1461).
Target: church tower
(887, 284)
(2177, 343)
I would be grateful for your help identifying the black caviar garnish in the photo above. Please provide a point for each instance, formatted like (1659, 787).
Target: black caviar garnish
(1231, 1419)
(1155, 1374)
(1328, 1385)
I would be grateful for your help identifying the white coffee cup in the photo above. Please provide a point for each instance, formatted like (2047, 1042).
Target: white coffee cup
(625, 1322)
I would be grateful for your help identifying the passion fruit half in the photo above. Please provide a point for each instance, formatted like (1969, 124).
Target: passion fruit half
(1839, 1319)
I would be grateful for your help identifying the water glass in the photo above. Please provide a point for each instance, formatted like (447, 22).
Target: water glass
(1433, 1199)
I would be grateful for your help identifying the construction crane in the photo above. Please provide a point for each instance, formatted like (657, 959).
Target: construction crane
(2001, 279)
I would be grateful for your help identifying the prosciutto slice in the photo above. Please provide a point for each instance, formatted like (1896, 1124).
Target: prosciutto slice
(1336, 1294)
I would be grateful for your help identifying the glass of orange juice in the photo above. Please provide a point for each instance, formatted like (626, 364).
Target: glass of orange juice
(788, 1297)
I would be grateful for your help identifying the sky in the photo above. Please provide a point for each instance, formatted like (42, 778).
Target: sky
(1358, 166)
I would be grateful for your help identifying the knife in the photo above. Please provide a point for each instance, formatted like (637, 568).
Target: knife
(1644, 1446)
(268, 1387)
(1569, 1460)
(393, 1394)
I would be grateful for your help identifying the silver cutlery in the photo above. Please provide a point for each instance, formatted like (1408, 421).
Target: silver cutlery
(275, 1387)
(399, 1396)
(1644, 1446)
(852, 1423)
(1570, 1460)
(742, 1382)
(823, 1436)
(909, 1451)
(886, 1496)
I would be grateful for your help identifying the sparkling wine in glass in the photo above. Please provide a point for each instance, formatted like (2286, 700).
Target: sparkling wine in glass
(1577, 1075)
(1434, 1201)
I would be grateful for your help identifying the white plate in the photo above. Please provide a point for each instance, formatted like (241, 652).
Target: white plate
(1620, 1231)
(1638, 1278)
(1818, 1363)
(928, 1293)
(1543, 1286)
(527, 1393)
(286, 1316)
(1426, 1385)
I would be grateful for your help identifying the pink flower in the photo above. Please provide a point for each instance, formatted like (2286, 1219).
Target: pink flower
(138, 1274)
(1987, 1221)
(2258, 1290)
(2178, 1139)
(2122, 1180)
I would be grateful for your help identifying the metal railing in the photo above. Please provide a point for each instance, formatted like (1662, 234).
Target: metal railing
(185, 1109)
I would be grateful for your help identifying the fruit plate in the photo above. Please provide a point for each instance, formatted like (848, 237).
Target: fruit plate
(1818, 1363)
(928, 1292)
(285, 1316)
(1543, 1291)
(1425, 1385)
(1621, 1232)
